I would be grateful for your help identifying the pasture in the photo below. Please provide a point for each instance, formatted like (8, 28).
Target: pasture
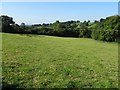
(39, 61)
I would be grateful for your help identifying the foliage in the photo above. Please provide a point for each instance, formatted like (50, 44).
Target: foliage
(6, 23)
(105, 29)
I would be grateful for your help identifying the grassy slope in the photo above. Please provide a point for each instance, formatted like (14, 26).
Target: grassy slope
(45, 61)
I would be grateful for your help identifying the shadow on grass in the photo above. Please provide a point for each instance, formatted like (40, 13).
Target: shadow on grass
(32, 35)
(6, 86)
(71, 86)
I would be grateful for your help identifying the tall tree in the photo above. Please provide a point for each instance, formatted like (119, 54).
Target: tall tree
(7, 23)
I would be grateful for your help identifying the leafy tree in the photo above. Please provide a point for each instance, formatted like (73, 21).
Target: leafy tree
(7, 23)
(105, 29)
(22, 25)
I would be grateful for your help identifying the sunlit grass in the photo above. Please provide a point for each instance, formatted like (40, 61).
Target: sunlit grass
(38, 61)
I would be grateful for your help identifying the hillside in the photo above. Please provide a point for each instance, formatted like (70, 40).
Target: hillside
(39, 61)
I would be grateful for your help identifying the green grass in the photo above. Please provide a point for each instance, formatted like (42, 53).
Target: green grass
(38, 61)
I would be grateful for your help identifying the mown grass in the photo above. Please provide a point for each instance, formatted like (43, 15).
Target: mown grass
(38, 61)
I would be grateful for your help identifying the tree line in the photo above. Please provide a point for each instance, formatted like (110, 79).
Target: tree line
(104, 29)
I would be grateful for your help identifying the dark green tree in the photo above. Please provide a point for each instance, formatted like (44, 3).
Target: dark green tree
(7, 23)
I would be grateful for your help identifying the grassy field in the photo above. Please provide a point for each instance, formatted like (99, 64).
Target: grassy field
(38, 61)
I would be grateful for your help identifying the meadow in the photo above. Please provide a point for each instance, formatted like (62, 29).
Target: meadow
(39, 61)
